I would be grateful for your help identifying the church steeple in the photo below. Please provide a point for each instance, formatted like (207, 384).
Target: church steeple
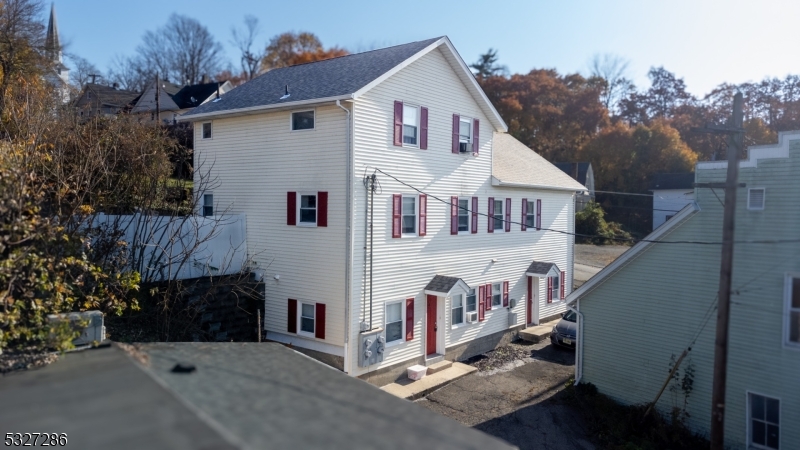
(52, 43)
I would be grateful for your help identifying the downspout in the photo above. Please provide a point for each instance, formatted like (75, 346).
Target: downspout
(348, 240)
(579, 351)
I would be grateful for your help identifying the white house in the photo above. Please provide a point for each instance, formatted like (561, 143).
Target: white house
(175, 100)
(395, 221)
(671, 193)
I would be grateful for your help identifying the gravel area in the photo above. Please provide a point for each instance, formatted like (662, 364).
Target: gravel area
(500, 357)
(598, 255)
(11, 360)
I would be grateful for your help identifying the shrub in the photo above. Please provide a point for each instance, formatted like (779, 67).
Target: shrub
(591, 223)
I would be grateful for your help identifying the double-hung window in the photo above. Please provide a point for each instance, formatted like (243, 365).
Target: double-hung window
(410, 125)
(530, 215)
(555, 287)
(457, 315)
(472, 301)
(208, 205)
(409, 213)
(463, 215)
(307, 318)
(394, 322)
(308, 210)
(464, 135)
(763, 421)
(499, 224)
(207, 130)
(497, 294)
(792, 311)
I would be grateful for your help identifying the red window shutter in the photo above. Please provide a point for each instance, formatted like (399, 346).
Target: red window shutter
(481, 303)
(491, 214)
(505, 294)
(397, 203)
(508, 215)
(538, 214)
(563, 285)
(453, 215)
(524, 214)
(410, 318)
(488, 298)
(423, 128)
(474, 215)
(423, 214)
(476, 135)
(291, 208)
(549, 289)
(398, 123)
(319, 322)
(456, 119)
(322, 209)
(291, 325)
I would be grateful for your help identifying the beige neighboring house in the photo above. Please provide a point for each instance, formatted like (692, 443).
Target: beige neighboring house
(97, 99)
(174, 100)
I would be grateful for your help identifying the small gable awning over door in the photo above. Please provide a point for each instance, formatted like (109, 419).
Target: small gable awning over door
(442, 286)
(542, 269)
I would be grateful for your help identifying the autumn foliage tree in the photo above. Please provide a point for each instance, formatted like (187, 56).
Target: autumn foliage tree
(289, 49)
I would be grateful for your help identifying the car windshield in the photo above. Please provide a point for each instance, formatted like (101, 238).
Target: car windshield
(570, 316)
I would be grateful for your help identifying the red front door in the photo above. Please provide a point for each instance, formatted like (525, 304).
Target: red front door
(430, 335)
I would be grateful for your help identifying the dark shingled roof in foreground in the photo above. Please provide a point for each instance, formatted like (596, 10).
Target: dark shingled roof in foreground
(241, 395)
(540, 267)
(322, 79)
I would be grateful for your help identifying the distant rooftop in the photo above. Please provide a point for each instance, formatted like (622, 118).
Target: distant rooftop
(577, 170)
(672, 181)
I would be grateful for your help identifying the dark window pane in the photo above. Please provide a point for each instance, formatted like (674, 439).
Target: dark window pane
(208, 211)
(795, 292)
(471, 300)
(794, 326)
(409, 134)
(206, 131)
(308, 215)
(529, 221)
(409, 224)
(307, 325)
(458, 315)
(773, 410)
(308, 201)
(757, 407)
(408, 205)
(394, 331)
(463, 223)
(759, 432)
(303, 120)
(464, 147)
(773, 436)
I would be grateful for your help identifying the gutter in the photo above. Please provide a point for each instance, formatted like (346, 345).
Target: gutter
(348, 263)
(579, 349)
(261, 108)
(496, 182)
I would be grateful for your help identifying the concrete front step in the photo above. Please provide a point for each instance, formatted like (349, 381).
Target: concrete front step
(438, 367)
(412, 390)
(538, 333)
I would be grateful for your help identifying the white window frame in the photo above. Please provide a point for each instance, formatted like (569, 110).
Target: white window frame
(764, 198)
(210, 131)
(463, 322)
(502, 228)
(475, 291)
(300, 330)
(469, 214)
(471, 123)
(749, 430)
(291, 119)
(415, 233)
(203, 206)
(300, 202)
(416, 125)
(499, 292)
(787, 310)
(402, 322)
(556, 289)
(530, 212)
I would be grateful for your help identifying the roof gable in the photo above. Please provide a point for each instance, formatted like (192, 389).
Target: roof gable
(443, 285)
(343, 78)
(542, 269)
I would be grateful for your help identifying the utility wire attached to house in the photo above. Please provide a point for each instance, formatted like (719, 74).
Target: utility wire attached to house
(628, 240)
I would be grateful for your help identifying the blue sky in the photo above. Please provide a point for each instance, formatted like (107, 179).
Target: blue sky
(693, 39)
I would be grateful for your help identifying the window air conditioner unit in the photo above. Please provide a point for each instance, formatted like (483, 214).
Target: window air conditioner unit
(472, 317)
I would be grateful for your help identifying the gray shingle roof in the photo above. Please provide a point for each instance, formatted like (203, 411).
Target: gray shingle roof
(441, 283)
(322, 79)
(540, 267)
(513, 162)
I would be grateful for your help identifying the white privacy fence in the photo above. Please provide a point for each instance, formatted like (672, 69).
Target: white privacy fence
(176, 248)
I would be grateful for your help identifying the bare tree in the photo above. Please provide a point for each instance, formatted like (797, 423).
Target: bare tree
(243, 39)
(83, 71)
(129, 73)
(613, 69)
(21, 40)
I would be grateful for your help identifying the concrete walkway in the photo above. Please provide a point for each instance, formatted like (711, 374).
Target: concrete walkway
(412, 390)
(538, 333)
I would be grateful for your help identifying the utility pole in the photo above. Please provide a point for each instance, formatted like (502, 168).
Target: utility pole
(158, 99)
(735, 145)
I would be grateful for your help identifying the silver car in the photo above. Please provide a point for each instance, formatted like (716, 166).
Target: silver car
(565, 332)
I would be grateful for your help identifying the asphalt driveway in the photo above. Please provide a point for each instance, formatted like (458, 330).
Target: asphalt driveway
(520, 402)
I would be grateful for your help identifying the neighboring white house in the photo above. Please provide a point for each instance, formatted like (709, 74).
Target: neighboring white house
(462, 215)
(582, 173)
(659, 298)
(671, 193)
(175, 100)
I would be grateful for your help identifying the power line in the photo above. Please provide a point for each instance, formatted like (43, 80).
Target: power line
(631, 240)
